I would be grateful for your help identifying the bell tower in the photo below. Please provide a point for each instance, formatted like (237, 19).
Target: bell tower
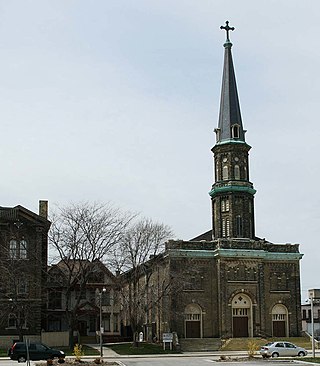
(232, 193)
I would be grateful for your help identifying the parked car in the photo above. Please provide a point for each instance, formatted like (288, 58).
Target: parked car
(37, 351)
(282, 349)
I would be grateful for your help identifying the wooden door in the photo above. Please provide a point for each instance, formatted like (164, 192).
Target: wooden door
(279, 328)
(240, 327)
(192, 329)
(82, 327)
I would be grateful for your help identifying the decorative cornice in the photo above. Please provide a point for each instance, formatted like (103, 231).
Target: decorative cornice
(231, 188)
(234, 253)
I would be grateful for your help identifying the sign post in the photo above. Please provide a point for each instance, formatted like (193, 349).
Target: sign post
(167, 338)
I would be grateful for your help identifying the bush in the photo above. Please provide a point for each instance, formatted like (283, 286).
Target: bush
(252, 348)
(77, 352)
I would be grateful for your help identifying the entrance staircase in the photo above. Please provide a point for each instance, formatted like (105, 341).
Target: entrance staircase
(200, 344)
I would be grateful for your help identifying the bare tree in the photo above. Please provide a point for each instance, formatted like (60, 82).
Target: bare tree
(137, 256)
(82, 234)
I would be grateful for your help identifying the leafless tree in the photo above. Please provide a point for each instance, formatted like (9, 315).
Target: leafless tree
(81, 234)
(137, 255)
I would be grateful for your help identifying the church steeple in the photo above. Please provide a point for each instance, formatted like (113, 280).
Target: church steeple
(232, 193)
(230, 122)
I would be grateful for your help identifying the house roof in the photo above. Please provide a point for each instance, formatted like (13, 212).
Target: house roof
(21, 213)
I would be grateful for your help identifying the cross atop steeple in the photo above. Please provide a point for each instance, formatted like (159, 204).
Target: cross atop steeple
(227, 29)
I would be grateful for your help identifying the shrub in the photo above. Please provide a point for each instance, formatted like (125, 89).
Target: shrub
(252, 348)
(77, 352)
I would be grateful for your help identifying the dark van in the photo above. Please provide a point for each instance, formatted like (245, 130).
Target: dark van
(37, 351)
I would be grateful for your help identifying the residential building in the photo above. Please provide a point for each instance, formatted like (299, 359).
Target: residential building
(307, 315)
(23, 263)
(76, 290)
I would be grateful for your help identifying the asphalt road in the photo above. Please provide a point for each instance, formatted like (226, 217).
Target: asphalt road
(174, 361)
(195, 361)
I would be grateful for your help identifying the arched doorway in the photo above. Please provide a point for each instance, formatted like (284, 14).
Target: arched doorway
(193, 321)
(279, 321)
(241, 316)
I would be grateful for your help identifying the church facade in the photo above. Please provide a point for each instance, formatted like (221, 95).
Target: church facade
(227, 282)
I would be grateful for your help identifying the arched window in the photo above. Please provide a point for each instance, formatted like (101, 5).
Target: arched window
(23, 249)
(225, 205)
(236, 172)
(225, 228)
(12, 321)
(225, 173)
(239, 226)
(13, 249)
(18, 250)
(235, 129)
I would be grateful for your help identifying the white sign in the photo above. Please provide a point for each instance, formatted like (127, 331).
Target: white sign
(167, 337)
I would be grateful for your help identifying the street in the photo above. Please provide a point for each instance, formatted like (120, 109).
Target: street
(193, 361)
(171, 361)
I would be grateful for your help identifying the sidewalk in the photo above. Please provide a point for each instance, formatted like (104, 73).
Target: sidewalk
(107, 352)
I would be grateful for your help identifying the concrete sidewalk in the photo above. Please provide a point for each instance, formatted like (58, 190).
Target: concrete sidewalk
(107, 352)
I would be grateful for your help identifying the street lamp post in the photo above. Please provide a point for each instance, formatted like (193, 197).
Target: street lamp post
(312, 326)
(101, 329)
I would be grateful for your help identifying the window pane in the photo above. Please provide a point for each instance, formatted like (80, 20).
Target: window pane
(13, 250)
(23, 249)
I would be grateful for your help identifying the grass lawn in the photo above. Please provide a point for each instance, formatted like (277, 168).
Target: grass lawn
(88, 351)
(242, 344)
(143, 349)
(3, 352)
(310, 359)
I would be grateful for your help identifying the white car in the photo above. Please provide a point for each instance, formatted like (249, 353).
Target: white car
(282, 349)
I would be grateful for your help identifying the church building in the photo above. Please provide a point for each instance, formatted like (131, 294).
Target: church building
(228, 282)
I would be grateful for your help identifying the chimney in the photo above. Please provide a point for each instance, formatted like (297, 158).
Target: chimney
(43, 209)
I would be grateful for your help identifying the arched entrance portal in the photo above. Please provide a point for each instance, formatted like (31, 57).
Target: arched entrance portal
(279, 321)
(193, 321)
(241, 316)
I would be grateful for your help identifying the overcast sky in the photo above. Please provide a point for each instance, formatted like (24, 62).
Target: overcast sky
(116, 100)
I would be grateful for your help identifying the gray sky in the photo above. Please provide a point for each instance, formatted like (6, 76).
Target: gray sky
(113, 100)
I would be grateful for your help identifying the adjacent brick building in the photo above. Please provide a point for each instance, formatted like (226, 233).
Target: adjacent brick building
(23, 266)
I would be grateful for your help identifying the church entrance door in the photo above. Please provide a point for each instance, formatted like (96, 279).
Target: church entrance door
(241, 316)
(192, 329)
(279, 329)
(240, 327)
(280, 321)
(193, 321)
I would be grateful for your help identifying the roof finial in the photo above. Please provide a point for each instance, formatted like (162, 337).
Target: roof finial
(227, 29)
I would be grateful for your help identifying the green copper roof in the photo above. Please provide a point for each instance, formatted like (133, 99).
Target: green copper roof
(231, 188)
(235, 253)
(231, 141)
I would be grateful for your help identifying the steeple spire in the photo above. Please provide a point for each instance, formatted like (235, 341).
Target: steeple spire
(230, 123)
(232, 193)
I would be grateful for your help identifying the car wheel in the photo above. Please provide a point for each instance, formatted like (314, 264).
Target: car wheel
(301, 354)
(21, 359)
(275, 354)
